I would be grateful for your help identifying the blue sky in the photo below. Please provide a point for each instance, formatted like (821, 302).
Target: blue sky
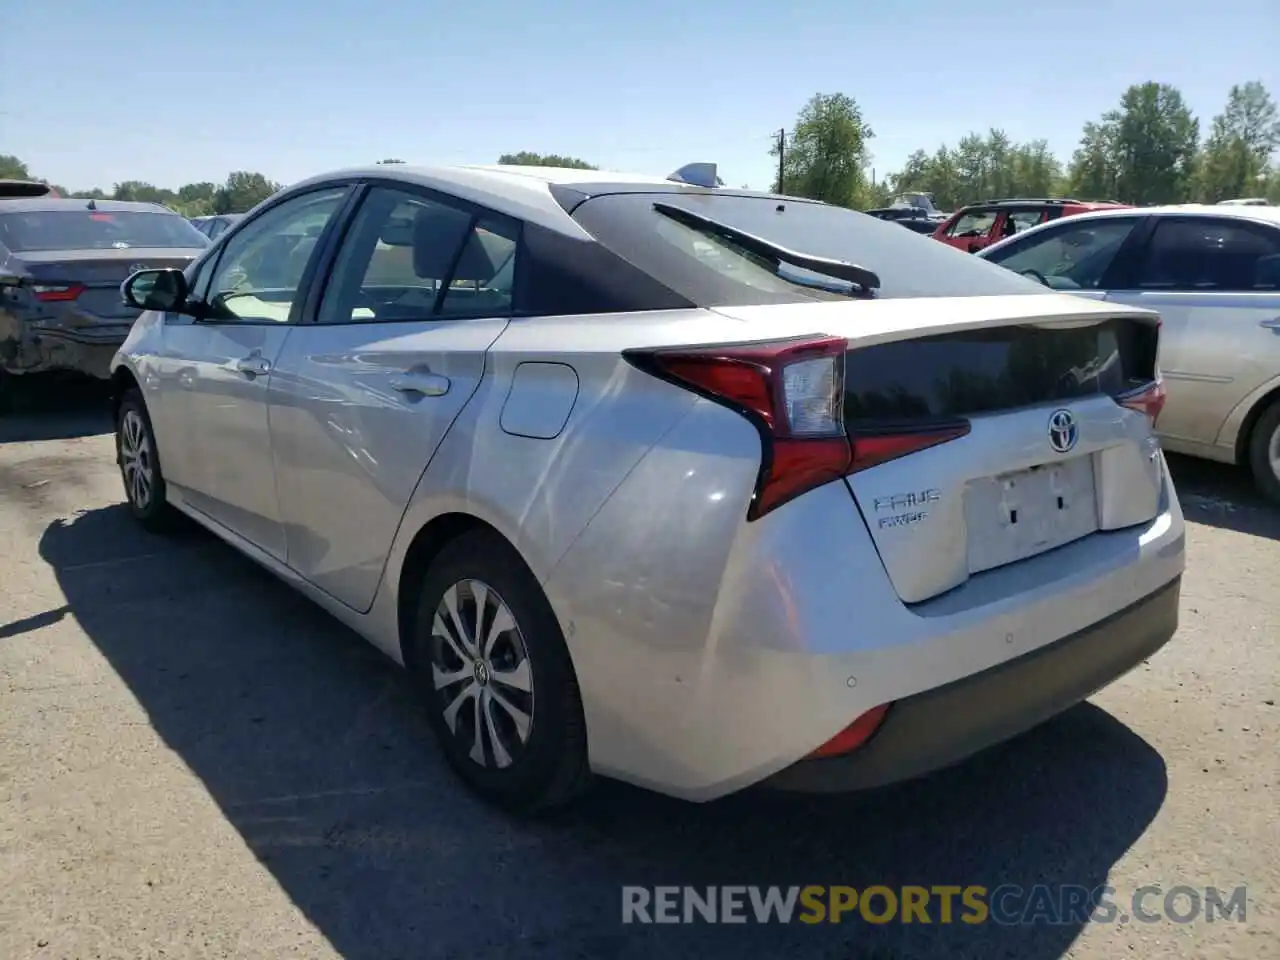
(93, 92)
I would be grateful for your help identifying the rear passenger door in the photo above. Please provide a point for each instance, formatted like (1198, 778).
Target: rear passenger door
(1215, 282)
(387, 357)
(1012, 222)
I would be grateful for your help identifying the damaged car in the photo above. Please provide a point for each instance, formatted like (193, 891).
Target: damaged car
(61, 265)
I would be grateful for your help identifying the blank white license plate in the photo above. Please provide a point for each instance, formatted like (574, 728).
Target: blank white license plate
(1017, 515)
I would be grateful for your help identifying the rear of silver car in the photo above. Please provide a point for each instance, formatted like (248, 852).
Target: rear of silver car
(887, 534)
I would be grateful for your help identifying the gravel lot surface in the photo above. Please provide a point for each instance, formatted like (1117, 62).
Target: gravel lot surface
(197, 763)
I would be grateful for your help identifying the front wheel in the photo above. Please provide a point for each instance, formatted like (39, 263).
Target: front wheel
(144, 487)
(490, 660)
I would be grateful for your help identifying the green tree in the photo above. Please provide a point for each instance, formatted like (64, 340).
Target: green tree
(1094, 174)
(1153, 139)
(1236, 161)
(196, 199)
(982, 167)
(829, 152)
(142, 191)
(11, 168)
(527, 158)
(243, 191)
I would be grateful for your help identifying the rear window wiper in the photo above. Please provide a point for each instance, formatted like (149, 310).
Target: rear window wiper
(866, 279)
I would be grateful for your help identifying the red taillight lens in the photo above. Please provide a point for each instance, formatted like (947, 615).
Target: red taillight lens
(1149, 400)
(57, 293)
(854, 735)
(870, 449)
(793, 391)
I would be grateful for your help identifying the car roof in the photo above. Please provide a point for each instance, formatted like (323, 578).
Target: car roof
(520, 191)
(1044, 202)
(1271, 214)
(48, 204)
(1257, 214)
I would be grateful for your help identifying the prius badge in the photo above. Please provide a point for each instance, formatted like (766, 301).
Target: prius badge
(1063, 431)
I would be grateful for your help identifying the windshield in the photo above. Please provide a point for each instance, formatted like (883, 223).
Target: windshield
(45, 230)
(714, 271)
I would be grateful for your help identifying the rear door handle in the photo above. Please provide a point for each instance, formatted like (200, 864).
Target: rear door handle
(421, 384)
(253, 366)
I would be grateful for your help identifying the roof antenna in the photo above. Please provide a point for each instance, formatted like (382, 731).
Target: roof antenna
(92, 205)
(697, 175)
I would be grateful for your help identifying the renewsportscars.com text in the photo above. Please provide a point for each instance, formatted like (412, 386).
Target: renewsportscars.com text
(944, 904)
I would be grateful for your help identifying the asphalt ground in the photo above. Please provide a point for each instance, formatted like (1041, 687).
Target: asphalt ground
(195, 762)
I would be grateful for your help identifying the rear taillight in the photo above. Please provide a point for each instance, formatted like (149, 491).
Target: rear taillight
(57, 293)
(793, 391)
(1148, 401)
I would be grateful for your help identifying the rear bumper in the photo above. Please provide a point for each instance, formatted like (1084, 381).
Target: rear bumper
(714, 654)
(86, 350)
(940, 727)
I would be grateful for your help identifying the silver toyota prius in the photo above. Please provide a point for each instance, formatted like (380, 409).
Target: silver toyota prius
(693, 487)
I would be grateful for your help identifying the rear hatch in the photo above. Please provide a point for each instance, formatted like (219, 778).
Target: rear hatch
(87, 282)
(1032, 388)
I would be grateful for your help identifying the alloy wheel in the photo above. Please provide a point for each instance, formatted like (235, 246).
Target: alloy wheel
(1273, 452)
(136, 461)
(481, 672)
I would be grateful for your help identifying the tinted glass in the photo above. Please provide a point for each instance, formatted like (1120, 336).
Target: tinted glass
(979, 371)
(409, 257)
(46, 230)
(1018, 220)
(711, 271)
(261, 268)
(1074, 255)
(1208, 254)
(973, 225)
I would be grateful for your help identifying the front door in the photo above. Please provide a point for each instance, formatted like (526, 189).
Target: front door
(1215, 281)
(364, 391)
(971, 229)
(221, 364)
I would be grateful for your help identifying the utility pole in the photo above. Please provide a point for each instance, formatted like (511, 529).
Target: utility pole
(782, 152)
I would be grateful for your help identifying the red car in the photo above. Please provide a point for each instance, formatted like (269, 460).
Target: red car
(980, 224)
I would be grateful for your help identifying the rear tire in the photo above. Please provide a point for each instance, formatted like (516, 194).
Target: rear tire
(505, 708)
(139, 462)
(1264, 453)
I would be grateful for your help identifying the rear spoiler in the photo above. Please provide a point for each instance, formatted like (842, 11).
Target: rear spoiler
(25, 188)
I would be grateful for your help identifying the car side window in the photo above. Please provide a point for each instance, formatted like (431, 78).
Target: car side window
(976, 223)
(1018, 220)
(410, 257)
(1210, 253)
(1072, 255)
(261, 267)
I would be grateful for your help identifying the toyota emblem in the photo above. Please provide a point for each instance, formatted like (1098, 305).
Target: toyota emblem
(1063, 431)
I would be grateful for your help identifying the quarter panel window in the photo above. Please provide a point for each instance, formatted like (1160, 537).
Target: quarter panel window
(410, 257)
(262, 266)
(1073, 255)
(1206, 253)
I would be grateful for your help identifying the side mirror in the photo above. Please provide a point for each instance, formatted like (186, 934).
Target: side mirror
(164, 290)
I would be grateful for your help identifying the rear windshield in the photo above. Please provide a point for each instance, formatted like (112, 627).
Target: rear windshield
(979, 371)
(711, 271)
(46, 230)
